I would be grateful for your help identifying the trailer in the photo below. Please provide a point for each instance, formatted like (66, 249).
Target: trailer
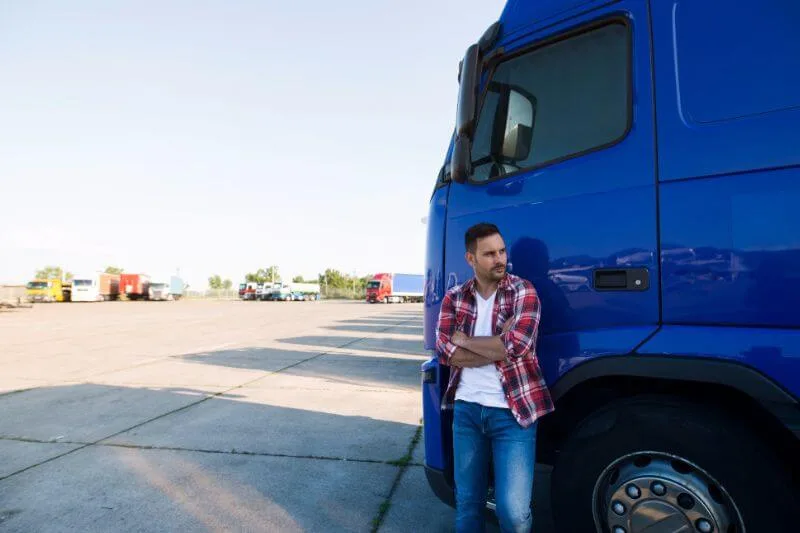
(135, 286)
(395, 288)
(96, 287)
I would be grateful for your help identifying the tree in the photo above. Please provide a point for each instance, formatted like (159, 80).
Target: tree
(264, 275)
(215, 282)
(68, 276)
(114, 270)
(227, 284)
(271, 274)
(298, 279)
(50, 272)
(333, 278)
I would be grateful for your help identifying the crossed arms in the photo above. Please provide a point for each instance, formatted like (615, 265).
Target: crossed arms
(517, 339)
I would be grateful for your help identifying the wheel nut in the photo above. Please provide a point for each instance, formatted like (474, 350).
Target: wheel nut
(704, 526)
(633, 491)
(686, 501)
(658, 488)
(618, 508)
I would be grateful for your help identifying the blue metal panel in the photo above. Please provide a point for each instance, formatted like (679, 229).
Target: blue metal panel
(728, 87)
(575, 348)
(519, 15)
(731, 250)
(434, 263)
(435, 452)
(774, 352)
(435, 444)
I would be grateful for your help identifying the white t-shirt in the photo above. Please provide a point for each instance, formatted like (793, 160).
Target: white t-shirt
(482, 384)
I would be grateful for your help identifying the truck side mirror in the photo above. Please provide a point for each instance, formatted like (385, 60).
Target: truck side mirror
(517, 133)
(461, 158)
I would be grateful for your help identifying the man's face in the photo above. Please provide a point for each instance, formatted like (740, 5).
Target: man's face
(489, 260)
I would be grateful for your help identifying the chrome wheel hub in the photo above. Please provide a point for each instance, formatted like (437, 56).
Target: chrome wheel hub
(651, 492)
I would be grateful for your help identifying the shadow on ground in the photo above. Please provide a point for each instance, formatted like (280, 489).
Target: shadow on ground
(100, 458)
(367, 327)
(345, 368)
(376, 344)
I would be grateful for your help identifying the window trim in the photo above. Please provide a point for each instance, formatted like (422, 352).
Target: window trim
(617, 18)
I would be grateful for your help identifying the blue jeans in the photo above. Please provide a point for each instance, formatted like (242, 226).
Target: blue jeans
(479, 431)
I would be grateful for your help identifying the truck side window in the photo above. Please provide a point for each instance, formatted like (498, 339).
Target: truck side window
(555, 102)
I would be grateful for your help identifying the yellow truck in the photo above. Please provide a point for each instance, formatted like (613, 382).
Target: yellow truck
(48, 290)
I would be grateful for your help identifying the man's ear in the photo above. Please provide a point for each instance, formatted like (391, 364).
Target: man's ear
(470, 259)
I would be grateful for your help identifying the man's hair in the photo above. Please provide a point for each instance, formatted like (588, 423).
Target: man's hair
(478, 231)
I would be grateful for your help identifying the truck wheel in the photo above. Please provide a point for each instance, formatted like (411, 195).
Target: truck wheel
(670, 465)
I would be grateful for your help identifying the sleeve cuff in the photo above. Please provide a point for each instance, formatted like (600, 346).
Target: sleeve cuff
(508, 342)
(449, 349)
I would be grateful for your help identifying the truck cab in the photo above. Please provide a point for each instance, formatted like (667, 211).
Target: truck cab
(47, 290)
(640, 159)
(159, 291)
(379, 288)
(86, 289)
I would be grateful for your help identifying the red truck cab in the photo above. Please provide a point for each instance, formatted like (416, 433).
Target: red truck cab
(379, 288)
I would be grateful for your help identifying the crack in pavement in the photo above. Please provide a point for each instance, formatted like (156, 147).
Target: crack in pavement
(377, 522)
(233, 451)
(193, 404)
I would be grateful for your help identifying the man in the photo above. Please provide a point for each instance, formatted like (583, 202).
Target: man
(487, 334)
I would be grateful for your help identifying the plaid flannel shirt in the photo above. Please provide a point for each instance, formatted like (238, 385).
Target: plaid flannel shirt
(523, 384)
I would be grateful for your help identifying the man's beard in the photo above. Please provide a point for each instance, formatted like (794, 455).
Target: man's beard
(497, 273)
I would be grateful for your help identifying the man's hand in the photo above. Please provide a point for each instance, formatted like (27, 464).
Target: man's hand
(464, 359)
(508, 325)
(459, 338)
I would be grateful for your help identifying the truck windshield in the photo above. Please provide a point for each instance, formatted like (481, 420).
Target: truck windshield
(37, 285)
(81, 283)
(373, 284)
(158, 285)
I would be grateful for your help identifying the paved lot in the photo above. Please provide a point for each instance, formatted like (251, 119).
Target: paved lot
(213, 416)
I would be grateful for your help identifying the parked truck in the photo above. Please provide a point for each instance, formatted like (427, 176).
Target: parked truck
(95, 287)
(294, 291)
(135, 286)
(395, 288)
(177, 286)
(249, 291)
(166, 291)
(641, 161)
(264, 291)
(48, 290)
(159, 291)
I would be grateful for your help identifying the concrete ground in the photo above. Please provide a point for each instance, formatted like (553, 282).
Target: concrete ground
(214, 416)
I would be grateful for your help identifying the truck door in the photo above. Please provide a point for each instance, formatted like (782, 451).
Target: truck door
(564, 164)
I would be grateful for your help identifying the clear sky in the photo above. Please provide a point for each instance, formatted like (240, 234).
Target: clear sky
(219, 136)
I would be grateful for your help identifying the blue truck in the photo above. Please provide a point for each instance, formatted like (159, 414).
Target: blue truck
(642, 160)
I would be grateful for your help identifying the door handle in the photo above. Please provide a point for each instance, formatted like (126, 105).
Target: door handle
(621, 279)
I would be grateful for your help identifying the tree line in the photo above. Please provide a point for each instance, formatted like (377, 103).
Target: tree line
(56, 272)
(331, 278)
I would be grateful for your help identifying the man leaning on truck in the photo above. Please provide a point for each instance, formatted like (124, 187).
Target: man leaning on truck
(487, 333)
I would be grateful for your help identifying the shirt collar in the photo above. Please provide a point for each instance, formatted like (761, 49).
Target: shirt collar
(504, 285)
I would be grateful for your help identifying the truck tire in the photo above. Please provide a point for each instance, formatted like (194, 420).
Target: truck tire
(651, 460)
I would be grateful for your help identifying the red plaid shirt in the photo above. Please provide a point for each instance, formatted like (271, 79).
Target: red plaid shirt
(520, 375)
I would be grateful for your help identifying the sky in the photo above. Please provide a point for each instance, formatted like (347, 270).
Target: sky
(220, 136)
